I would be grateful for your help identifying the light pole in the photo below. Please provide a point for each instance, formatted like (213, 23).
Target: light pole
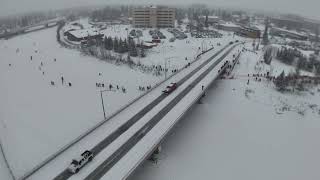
(127, 32)
(102, 102)
(165, 69)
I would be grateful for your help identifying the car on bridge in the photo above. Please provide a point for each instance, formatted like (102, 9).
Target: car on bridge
(169, 89)
(77, 164)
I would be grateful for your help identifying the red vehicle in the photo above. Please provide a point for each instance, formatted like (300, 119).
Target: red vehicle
(170, 88)
(156, 40)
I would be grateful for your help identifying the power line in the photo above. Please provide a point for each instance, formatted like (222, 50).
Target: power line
(6, 161)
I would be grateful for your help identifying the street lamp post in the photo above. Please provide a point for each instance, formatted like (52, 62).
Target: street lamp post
(127, 32)
(165, 69)
(102, 103)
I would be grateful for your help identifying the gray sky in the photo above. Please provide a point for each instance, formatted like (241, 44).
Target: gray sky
(309, 8)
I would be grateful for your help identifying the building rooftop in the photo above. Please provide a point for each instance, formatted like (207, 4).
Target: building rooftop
(210, 17)
(229, 24)
(84, 33)
(252, 28)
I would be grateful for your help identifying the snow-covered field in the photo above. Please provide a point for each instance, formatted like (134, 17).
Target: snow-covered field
(38, 118)
(238, 133)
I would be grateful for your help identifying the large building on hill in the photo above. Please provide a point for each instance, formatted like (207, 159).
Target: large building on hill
(153, 17)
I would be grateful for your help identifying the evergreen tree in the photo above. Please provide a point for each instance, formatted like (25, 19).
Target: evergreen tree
(206, 21)
(265, 37)
(106, 43)
(132, 48)
(302, 63)
(125, 45)
(142, 52)
(267, 56)
(317, 34)
(281, 82)
(116, 45)
(110, 43)
(120, 47)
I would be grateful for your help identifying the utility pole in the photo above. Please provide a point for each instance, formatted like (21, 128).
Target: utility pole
(165, 69)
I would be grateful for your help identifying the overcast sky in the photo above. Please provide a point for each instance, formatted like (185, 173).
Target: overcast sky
(309, 8)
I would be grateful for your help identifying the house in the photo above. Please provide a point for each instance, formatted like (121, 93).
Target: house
(211, 19)
(288, 34)
(228, 26)
(83, 34)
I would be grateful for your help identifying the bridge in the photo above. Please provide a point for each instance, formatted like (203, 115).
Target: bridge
(131, 136)
(32, 28)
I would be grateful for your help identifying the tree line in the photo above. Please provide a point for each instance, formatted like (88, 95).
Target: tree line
(119, 45)
(292, 56)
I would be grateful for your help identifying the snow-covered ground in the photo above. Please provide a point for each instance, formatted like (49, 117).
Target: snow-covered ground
(237, 133)
(174, 52)
(37, 119)
(255, 141)
(4, 171)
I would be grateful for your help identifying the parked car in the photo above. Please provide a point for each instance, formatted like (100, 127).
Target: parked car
(169, 89)
(156, 40)
(154, 36)
(77, 164)
(172, 39)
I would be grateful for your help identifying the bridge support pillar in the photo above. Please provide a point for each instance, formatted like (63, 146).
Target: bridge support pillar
(202, 96)
(154, 155)
(158, 150)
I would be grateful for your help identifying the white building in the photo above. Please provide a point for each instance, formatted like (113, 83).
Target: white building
(153, 17)
(211, 19)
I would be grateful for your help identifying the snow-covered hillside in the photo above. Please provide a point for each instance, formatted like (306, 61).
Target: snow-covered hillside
(238, 133)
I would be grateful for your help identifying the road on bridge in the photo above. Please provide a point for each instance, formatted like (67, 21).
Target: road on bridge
(117, 155)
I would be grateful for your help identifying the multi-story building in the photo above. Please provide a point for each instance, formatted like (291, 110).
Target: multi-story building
(249, 31)
(228, 26)
(153, 17)
(211, 19)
